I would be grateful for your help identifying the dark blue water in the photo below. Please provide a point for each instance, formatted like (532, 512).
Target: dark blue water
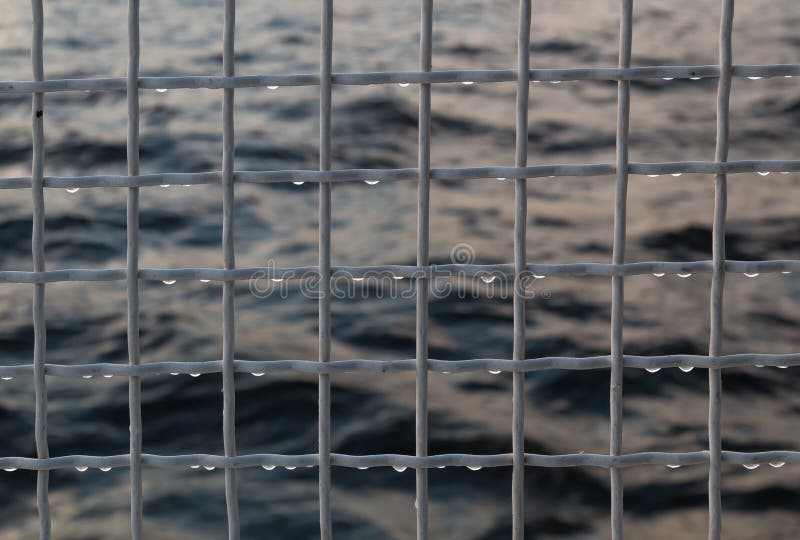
(570, 220)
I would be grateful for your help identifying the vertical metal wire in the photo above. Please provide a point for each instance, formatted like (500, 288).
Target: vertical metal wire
(618, 257)
(37, 244)
(132, 281)
(520, 229)
(423, 237)
(325, 75)
(228, 307)
(718, 276)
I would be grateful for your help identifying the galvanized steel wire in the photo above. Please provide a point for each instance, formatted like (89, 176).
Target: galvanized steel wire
(422, 274)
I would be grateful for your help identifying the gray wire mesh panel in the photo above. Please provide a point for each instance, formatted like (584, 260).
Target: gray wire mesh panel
(519, 270)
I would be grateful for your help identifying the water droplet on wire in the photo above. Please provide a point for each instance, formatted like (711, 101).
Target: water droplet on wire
(668, 78)
(765, 173)
(673, 466)
(161, 90)
(686, 369)
(209, 467)
(658, 274)
(754, 274)
(268, 467)
(86, 376)
(72, 190)
(684, 276)
(108, 375)
(298, 182)
(204, 280)
(399, 468)
(488, 279)
(10, 469)
(751, 466)
(468, 83)
(403, 84)
(168, 282)
(474, 467)
(777, 464)
(653, 369)
(105, 469)
(653, 175)
(272, 87)
(290, 467)
(258, 374)
(371, 182)
(6, 378)
(755, 78)
(495, 372)
(81, 468)
(195, 375)
(676, 174)
(194, 466)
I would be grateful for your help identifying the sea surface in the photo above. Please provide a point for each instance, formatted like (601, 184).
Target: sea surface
(570, 220)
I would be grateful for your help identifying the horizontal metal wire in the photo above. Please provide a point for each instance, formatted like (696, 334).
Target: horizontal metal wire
(400, 271)
(399, 77)
(209, 461)
(261, 367)
(450, 174)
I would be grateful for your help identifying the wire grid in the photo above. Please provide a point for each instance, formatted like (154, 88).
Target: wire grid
(422, 273)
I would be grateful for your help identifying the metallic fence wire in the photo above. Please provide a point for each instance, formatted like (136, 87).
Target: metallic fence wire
(520, 258)
(422, 285)
(132, 280)
(618, 257)
(422, 273)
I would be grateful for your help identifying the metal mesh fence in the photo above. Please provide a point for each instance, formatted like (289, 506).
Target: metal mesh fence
(520, 270)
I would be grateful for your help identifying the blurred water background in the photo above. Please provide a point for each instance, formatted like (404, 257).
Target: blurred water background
(570, 220)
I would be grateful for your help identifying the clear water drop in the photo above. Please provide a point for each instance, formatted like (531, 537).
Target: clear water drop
(204, 280)
(268, 467)
(502, 178)
(495, 372)
(676, 174)
(169, 282)
(555, 82)
(787, 76)
(445, 373)
(161, 90)
(673, 466)
(399, 468)
(81, 468)
(258, 374)
(684, 276)
(653, 175)
(488, 279)
(277, 279)
(538, 276)
(173, 373)
(668, 78)
(782, 367)
(765, 173)
(441, 466)
(363, 468)
(209, 467)
(397, 277)
(695, 78)
(403, 84)
(358, 279)
(7, 378)
(658, 274)
(468, 83)
(10, 469)
(759, 365)
(105, 469)
(108, 375)
(686, 369)
(72, 190)
(755, 78)
(754, 274)
(751, 466)
(299, 182)
(474, 467)
(195, 375)
(652, 369)
(194, 466)
(86, 376)
(371, 182)
(785, 272)
(290, 468)
(777, 464)
(272, 87)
